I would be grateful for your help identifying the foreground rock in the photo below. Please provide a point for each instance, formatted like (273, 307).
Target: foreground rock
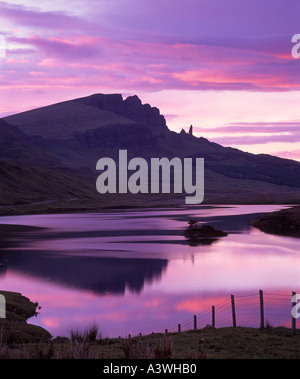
(285, 222)
(14, 327)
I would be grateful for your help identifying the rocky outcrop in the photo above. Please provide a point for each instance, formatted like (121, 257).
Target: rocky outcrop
(14, 328)
(145, 113)
(131, 136)
(131, 108)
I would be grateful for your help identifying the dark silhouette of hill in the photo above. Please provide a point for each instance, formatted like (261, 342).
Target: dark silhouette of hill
(52, 151)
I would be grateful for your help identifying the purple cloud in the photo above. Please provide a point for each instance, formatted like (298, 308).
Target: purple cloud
(147, 46)
(254, 133)
(255, 127)
(33, 18)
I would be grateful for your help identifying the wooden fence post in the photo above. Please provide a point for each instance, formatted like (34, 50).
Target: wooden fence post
(179, 328)
(233, 312)
(166, 331)
(195, 322)
(213, 316)
(261, 302)
(293, 318)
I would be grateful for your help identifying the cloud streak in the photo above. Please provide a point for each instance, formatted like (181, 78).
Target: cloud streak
(165, 66)
(148, 47)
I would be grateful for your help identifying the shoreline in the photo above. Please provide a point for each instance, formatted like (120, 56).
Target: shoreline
(60, 207)
(285, 222)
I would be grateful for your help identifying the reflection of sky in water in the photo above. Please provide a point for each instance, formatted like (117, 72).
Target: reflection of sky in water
(133, 271)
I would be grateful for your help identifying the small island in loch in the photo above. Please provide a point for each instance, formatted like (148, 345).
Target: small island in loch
(203, 231)
(202, 234)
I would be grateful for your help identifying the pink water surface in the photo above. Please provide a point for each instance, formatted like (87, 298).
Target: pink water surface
(133, 271)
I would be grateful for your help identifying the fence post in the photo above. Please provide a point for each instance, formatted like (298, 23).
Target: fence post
(213, 316)
(195, 322)
(261, 302)
(179, 328)
(293, 318)
(233, 312)
(166, 331)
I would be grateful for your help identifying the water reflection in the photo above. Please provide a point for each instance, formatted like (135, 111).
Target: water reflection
(100, 275)
(201, 242)
(133, 271)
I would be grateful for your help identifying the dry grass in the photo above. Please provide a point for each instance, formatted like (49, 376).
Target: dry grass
(139, 348)
(210, 343)
(89, 334)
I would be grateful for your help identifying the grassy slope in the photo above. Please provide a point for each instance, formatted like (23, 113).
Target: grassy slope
(22, 185)
(62, 119)
(208, 343)
(53, 189)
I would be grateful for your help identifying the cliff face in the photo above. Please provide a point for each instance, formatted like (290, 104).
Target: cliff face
(78, 132)
(131, 108)
(145, 113)
(135, 136)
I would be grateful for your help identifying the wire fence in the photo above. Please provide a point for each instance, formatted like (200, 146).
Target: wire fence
(258, 310)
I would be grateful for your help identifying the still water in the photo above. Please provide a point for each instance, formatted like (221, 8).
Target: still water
(132, 271)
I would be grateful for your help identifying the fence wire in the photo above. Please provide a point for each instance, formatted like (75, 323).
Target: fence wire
(246, 311)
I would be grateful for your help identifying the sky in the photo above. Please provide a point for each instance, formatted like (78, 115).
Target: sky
(224, 66)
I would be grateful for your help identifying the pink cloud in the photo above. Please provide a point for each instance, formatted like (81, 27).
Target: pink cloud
(254, 133)
(242, 76)
(293, 154)
(48, 62)
(291, 127)
(18, 61)
(135, 57)
(200, 46)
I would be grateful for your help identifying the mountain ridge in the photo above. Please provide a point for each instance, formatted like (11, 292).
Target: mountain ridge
(69, 137)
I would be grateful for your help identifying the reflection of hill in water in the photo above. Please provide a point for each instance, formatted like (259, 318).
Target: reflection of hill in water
(100, 275)
(201, 242)
(11, 235)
